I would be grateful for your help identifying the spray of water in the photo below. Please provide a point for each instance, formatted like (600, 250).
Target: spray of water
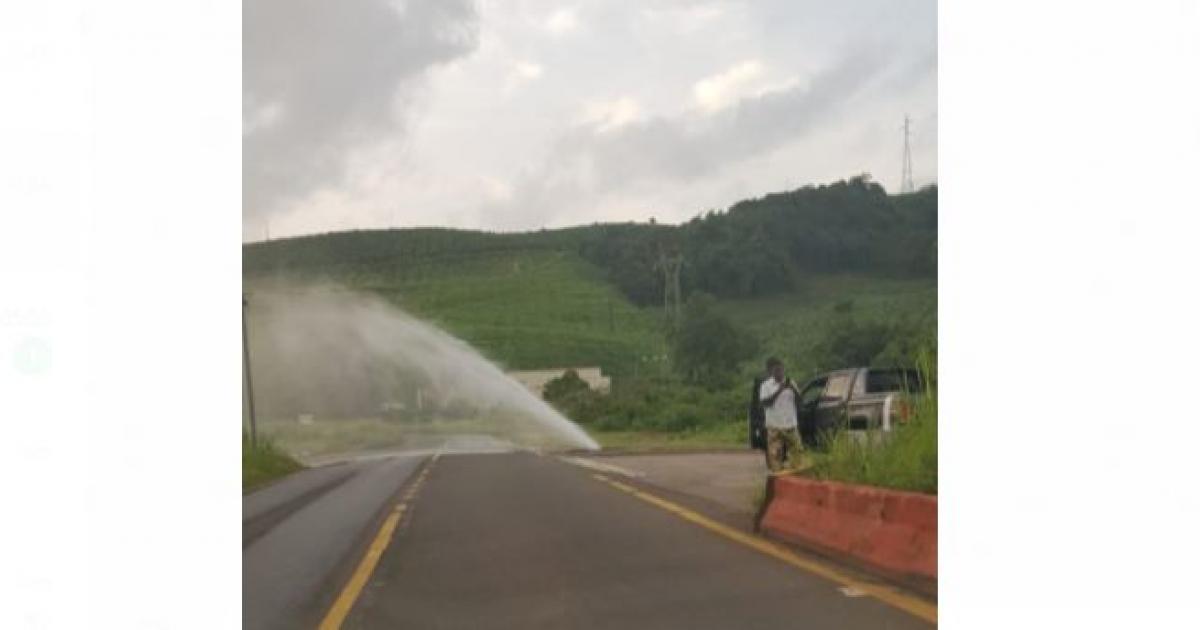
(332, 357)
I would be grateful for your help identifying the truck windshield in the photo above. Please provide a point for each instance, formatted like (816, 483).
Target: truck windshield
(894, 380)
(837, 386)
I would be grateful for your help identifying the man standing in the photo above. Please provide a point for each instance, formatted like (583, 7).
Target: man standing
(778, 397)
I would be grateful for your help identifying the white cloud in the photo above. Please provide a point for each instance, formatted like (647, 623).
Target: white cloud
(724, 89)
(703, 13)
(686, 18)
(527, 70)
(609, 115)
(341, 75)
(521, 73)
(561, 22)
(262, 117)
(496, 189)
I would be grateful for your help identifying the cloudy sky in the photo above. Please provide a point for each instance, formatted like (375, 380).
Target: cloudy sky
(522, 114)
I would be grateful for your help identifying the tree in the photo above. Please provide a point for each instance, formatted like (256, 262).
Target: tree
(706, 347)
(853, 342)
(564, 386)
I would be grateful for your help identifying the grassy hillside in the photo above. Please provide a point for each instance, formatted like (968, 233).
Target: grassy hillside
(525, 308)
(795, 326)
(536, 308)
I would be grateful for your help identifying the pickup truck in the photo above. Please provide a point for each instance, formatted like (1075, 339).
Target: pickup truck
(865, 401)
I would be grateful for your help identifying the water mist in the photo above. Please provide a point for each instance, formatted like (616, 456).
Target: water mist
(333, 354)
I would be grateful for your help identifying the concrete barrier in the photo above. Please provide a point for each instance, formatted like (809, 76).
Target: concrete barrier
(890, 530)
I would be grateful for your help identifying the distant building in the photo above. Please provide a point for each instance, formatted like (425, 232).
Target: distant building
(535, 380)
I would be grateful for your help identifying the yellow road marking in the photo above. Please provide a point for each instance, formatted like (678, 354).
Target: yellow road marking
(913, 605)
(345, 601)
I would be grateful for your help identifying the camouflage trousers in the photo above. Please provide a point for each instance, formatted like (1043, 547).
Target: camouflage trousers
(782, 445)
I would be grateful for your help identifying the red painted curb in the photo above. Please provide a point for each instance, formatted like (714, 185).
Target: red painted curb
(893, 530)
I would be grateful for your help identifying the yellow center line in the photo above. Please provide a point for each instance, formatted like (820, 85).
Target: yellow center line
(345, 601)
(912, 605)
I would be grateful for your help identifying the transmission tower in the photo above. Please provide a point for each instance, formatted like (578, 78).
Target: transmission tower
(906, 182)
(672, 296)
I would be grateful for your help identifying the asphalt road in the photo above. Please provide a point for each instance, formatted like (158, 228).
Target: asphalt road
(733, 480)
(519, 540)
(298, 533)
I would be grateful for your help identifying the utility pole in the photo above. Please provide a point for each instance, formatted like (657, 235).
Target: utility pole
(906, 182)
(246, 368)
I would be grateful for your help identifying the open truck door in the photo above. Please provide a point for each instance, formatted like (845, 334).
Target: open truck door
(757, 418)
(806, 410)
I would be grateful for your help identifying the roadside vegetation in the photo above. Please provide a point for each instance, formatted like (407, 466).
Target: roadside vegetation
(725, 436)
(264, 463)
(906, 461)
(841, 320)
(705, 401)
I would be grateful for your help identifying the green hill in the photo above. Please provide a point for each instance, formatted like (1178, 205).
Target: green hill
(786, 267)
(798, 326)
(523, 307)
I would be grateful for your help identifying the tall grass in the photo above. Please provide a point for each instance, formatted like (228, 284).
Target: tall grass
(265, 462)
(722, 436)
(907, 460)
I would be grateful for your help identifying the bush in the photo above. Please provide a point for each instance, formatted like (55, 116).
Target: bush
(265, 462)
(613, 423)
(654, 404)
(852, 342)
(680, 418)
(564, 386)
